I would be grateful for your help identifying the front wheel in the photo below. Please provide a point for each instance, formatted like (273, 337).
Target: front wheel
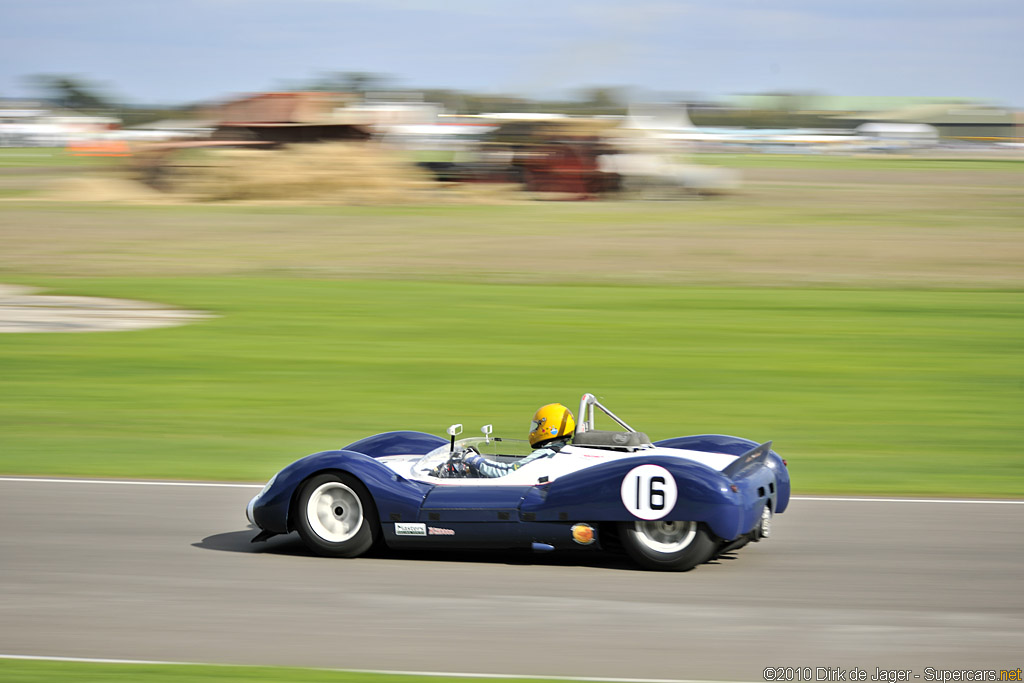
(335, 516)
(667, 546)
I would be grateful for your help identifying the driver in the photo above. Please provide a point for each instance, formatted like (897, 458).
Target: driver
(551, 429)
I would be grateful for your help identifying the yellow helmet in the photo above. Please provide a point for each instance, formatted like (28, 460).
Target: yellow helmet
(553, 421)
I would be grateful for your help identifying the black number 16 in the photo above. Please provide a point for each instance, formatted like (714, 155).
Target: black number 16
(655, 496)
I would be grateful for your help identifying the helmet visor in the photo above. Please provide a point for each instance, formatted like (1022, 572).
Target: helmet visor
(535, 424)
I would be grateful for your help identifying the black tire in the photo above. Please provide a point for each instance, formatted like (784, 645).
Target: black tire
(667, 545)
(335, 515)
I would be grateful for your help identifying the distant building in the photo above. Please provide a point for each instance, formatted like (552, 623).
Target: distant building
(836, 104)
(35, 124)
(288, 117)
(952, 117)
(973, 122)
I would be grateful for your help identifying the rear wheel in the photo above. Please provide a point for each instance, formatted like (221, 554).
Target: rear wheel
(667, 545)
(335, 516)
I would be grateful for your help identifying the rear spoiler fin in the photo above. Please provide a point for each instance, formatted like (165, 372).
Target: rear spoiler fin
(755, 457)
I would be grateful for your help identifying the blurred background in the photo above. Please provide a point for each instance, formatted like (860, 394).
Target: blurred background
(276, 228)
(235, 232)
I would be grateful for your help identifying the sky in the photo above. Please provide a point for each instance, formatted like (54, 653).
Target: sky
(185, 51)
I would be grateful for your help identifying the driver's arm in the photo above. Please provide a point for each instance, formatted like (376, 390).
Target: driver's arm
(488, 468)
(493, 468)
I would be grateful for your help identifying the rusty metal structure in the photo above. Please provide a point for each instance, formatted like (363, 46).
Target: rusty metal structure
(288, 117)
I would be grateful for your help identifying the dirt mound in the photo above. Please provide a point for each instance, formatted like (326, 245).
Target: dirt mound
(347, 173)
(327, 173)
(337, 172)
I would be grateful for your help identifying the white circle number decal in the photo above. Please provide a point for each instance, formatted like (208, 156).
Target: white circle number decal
(649, 492)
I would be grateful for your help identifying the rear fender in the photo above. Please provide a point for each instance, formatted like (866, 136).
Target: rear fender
(757, 489)
(595, 494)
(734, 445)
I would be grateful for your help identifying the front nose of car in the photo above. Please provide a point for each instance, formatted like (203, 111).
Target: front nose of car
(249, 507)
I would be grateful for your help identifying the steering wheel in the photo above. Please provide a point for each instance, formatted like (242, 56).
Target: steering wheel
(455, 465)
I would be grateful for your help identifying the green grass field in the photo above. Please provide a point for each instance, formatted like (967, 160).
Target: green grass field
(50, 157)
(29, 671)
(872, 328)
(863, 390)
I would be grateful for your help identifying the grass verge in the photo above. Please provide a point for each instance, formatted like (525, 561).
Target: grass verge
(37, 671)
(51, 157)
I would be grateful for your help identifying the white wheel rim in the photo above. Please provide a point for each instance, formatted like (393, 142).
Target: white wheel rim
(665, 537)
(334, 512)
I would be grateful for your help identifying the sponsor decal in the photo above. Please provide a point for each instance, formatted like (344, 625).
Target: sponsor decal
(439, 531)
(649, 492)
(583, 534)
(410, 529)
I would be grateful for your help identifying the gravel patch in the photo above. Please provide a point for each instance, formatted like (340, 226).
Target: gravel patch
(23, 310)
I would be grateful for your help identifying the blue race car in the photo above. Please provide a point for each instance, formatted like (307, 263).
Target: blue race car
(671, 505)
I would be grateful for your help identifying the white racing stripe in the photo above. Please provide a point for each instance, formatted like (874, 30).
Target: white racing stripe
(225, 485)
(434, 674)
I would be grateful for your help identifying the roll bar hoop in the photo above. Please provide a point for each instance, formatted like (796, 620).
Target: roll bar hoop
(586, 421)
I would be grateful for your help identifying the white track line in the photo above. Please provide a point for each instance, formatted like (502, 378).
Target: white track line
(87, 660)
(435, 674)
(127, 482)
(533, 677)
(958, 501)
(208, 484)
(448, 674)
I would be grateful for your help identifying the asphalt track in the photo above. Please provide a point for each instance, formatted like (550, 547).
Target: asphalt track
(164, 572)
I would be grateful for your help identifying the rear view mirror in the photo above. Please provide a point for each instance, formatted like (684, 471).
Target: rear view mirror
(453, 432)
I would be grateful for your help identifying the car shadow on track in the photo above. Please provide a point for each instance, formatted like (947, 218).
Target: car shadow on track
(241, 542)
(290, 545)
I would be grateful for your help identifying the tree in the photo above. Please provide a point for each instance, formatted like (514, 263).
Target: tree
(359, 82)
(603, 100)
(71, 92)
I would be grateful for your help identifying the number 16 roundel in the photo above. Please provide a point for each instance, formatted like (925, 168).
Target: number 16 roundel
(649, 492)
